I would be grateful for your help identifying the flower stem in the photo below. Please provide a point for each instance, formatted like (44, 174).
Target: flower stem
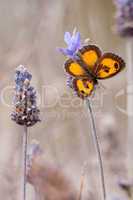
(97, 146)
(82, 181)
(25, 141)
(81, 187)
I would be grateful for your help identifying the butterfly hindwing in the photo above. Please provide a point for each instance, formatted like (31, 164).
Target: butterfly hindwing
(109, 65)
(90, 55)
(74, 69)
(83, 87)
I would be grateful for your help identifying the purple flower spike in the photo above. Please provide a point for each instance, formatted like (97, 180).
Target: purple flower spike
(25, 110)
(124, 17)
(73, 44)
(121, 2)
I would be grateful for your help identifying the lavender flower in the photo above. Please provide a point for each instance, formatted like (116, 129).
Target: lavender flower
(124, 17)
(73, 44)
(25, 106)
(69, 81)
(120, 3)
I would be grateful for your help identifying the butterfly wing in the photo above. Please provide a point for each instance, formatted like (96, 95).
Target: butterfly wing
(90, 55)
(82, 83)
(74, 69)
(83, 87)
(109, 65)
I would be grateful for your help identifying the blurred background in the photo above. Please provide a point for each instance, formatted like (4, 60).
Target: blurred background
(30, 32)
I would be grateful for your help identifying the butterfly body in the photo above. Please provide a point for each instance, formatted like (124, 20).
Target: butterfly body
(89, 73)
(88, 66)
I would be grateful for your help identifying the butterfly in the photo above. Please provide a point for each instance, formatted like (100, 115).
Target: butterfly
(88, 66)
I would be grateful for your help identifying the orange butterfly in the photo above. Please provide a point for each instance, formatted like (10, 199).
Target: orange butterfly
(90, 65)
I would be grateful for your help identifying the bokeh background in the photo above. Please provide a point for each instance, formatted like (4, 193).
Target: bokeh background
(30, 32)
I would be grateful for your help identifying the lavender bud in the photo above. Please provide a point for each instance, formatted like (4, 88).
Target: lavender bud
(69, 82)
(25, 110)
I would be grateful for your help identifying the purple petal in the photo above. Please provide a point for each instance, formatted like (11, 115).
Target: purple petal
(77, 38)
(66, 52)
(75, 42)
(69, 52)
(73, 48)
(62, 50)
(67, 38)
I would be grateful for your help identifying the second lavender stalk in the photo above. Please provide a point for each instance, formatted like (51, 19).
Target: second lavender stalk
(25, 112)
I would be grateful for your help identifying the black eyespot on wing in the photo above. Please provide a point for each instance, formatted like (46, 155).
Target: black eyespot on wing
(87, 86)
(82, 91)
(106, 69)
(116, 65)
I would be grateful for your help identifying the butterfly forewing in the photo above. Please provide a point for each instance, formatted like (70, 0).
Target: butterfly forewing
(74, 69)
(90, 55)
(109, 65)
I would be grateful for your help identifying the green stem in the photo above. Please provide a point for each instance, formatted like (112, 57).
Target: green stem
(97, 146)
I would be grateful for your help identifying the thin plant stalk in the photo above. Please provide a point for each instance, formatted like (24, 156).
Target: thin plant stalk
(82, 181)
(129, 52)
(24, 164)
(97, 146)
(25, 113)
